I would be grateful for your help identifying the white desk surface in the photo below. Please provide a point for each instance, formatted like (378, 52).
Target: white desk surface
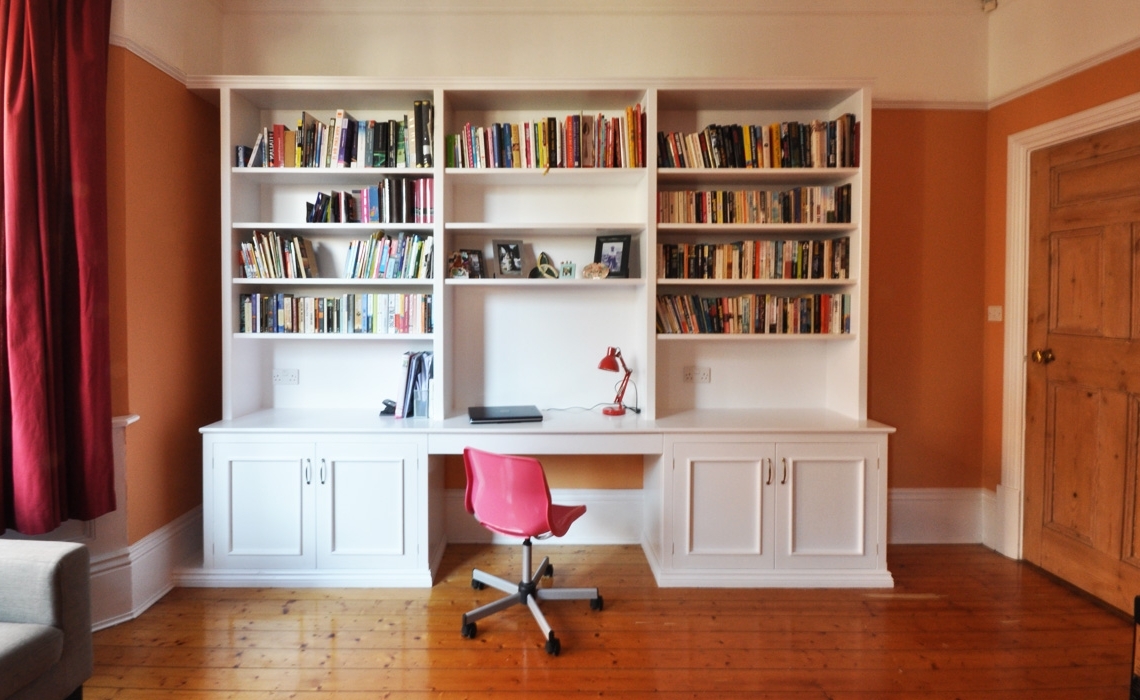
(560, 432)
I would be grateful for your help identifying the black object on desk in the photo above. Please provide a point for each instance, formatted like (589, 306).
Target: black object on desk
(504, 414)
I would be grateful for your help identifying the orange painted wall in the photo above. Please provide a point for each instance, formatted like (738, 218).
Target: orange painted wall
(927, 315)
(164, 204)
(1111, 80)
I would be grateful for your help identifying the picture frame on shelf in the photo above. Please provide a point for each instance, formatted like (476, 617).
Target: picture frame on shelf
(508, 258)
(612, 250)
(568, 270)
(473, 262)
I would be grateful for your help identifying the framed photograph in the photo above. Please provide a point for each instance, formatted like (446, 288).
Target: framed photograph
(567, 269)
(613, 252)
(508, 258)
(473, 262)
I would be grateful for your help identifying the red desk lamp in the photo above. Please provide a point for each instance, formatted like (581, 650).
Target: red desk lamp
(610, 363)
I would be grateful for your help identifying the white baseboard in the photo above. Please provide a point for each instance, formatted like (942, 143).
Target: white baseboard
(127, 582)
(613, 516)
(936, 516)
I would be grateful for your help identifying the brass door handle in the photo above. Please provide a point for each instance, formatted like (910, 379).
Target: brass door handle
(1042, 357)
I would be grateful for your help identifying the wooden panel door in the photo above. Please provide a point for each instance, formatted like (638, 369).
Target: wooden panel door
(1083, 391)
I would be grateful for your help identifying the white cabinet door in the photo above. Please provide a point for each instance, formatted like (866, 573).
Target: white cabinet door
(722, 498)
(367, 506)
(263, 506)
(827, 505)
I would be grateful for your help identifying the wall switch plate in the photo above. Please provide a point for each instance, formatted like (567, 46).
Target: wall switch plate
(993, 313)
(286, 376)
(697, 375)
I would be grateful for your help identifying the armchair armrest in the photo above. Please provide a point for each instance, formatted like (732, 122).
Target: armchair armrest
(48, 583)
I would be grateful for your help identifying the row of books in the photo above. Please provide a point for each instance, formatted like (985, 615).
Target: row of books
(384, 256)
(762, 260)
(815, 144)
(378, 314)
(394, 200)
(345, 142)
(578, 141)
(270, 255)
(818, 314)
(824, 204)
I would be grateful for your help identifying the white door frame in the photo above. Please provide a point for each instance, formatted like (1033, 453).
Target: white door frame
(1007, 534)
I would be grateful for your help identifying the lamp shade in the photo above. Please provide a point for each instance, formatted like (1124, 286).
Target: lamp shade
(610, 362)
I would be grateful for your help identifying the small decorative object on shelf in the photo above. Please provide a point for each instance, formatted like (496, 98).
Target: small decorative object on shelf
(595, 271)
(567, 269)
(545, 268)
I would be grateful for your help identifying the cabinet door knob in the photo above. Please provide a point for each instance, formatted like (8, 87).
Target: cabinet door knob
(1042, 357)
(323, 470)
(784, 479)
(769, 461)
(308, 471)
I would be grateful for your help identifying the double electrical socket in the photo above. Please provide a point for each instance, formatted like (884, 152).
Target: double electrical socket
(697, 375)
(286, 376)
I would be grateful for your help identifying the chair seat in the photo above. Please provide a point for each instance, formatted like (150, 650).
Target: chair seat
(561, 517)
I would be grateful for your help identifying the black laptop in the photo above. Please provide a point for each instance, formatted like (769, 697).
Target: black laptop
(504, 414)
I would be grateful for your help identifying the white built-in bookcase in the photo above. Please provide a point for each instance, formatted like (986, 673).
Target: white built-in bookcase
(538, 341)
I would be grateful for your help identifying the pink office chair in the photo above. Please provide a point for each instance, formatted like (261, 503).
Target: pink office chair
(509, 495)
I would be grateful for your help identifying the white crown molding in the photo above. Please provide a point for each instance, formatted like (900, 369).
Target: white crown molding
(1066, 73)
(928, 105)
(891, 8)
(149, 56)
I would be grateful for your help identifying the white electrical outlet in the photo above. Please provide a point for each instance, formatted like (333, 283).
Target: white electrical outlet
(286, 376)
(697, 375)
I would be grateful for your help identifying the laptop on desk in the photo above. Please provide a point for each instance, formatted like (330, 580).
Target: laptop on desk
(504, 414)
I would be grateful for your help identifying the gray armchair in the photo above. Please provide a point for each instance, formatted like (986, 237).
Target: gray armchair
(45, 620)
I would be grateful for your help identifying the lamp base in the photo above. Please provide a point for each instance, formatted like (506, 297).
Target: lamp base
(615, 410)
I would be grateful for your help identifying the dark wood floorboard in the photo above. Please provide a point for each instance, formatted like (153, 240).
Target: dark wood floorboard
(961, 623)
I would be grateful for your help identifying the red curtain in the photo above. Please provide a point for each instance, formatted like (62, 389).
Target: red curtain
(56, 458)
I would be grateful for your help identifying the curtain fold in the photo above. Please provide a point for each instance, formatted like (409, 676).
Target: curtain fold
(56, 457)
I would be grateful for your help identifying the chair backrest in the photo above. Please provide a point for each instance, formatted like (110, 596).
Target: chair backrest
(506, 493)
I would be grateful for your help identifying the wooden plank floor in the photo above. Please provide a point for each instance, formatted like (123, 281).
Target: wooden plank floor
(962, 622)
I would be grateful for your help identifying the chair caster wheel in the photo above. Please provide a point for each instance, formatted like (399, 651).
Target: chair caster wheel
(478, 585)
(597, 603)
(553, 645)
(549, 571)
(468, 630)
